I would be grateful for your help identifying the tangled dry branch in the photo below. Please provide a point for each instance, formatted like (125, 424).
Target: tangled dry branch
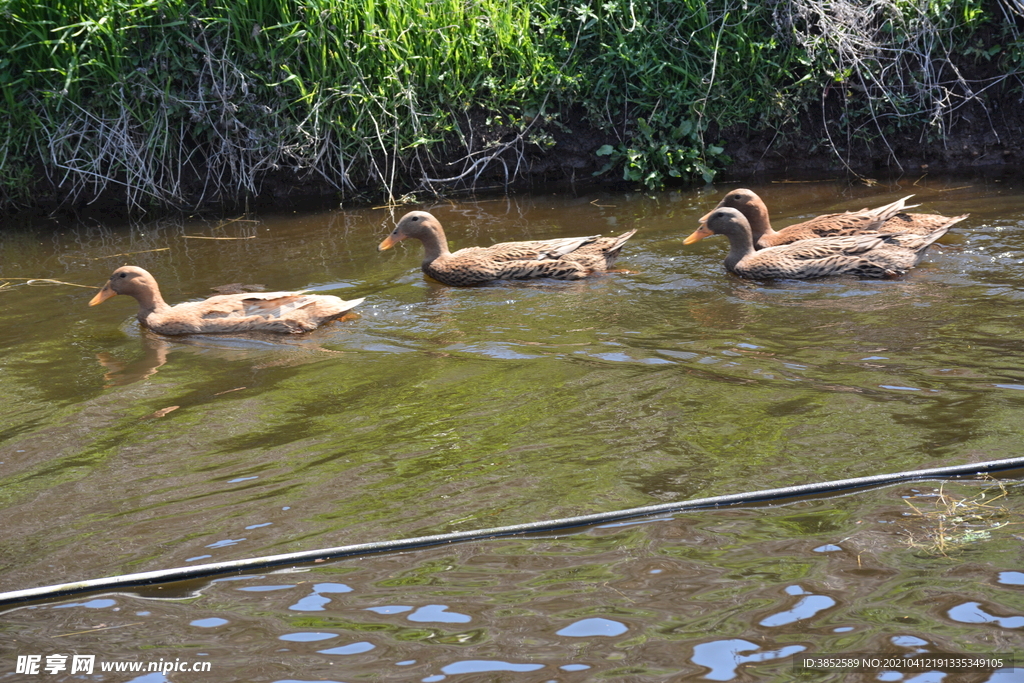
(894, 64)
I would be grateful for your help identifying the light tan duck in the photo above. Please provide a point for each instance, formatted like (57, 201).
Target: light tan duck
(287, 312)
(571, 258)
(888, 219)
(868, 255)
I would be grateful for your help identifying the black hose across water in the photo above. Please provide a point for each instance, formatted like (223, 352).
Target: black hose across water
(116, 583)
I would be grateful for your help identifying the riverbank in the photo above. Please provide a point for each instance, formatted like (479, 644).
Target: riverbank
(188, 107)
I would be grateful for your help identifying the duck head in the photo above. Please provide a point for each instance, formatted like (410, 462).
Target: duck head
(416, 224)
(130, 280)
(746, 201)
(721, 221)
(751, 206)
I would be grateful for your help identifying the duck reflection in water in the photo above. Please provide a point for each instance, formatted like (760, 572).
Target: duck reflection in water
(119, 373)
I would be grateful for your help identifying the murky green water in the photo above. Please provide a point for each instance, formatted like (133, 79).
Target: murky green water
(444, 409)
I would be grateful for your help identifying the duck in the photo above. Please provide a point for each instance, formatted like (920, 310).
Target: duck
(868, 255)
(570, 258)
(285, 312)
(891, 218)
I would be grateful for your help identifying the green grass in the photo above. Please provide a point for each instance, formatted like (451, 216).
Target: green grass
(171, 103)
(150, 96)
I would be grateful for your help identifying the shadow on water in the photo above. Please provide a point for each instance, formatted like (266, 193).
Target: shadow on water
(437, 409)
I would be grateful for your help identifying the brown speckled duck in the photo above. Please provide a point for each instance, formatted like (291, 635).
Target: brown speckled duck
(288, 312)
(888, 219)
(868, 255)
(571, 258)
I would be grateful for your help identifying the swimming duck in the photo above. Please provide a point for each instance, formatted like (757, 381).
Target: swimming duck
(888, 219)
(869, 255)
(289, 312)
(570, 258)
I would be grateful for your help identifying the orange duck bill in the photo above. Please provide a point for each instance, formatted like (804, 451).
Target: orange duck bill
(699, 234)
(103, 295)
(389, 241)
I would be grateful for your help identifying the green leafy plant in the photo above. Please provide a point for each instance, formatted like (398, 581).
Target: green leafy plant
(653, 156)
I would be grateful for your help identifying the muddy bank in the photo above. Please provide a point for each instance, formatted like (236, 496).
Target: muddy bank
(987, 135)
(977, 139)
(984, 135)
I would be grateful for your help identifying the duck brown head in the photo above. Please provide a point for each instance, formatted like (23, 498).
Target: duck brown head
(422, 226)
(133, 281)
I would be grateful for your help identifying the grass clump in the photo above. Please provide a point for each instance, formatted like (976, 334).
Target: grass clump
(663, 74)
(159, 97)
(658, 74)
(955, 522)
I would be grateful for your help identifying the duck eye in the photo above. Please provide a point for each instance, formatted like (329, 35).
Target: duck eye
(124, 274)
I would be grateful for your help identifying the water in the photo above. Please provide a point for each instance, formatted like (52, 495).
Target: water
(443, 409)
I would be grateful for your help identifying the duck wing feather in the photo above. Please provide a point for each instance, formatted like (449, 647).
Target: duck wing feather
(289, 312)
(570, 258)
(870, 255)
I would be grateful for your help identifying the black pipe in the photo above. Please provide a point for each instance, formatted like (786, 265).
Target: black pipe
(115, 583)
